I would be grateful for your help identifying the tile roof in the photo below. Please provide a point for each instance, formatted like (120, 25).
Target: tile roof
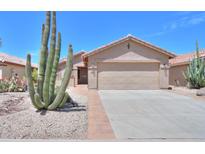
(78, 53)
(6, 58)
(185, 58)
(129, 37)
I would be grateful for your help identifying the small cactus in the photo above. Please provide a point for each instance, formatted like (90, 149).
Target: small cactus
(45, 97)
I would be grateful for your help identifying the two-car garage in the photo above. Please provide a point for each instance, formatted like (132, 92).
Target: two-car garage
(128, 75)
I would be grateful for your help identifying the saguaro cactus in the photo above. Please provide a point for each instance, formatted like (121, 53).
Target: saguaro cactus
(45, 97)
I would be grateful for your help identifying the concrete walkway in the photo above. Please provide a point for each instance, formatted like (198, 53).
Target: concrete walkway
(99, 127)
(147, 115)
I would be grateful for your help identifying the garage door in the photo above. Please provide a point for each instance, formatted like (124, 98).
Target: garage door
(128, 76)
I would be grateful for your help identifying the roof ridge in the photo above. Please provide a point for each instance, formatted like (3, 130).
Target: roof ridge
(152, 45)
(78, 53)
(14, 59)
(12, 56)
(129, 36)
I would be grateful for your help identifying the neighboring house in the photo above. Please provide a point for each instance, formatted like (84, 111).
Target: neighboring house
(178, 66)
(11, 65)
(128, 63)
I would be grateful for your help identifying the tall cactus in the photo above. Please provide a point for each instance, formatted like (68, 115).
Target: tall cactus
(44, 97)
(37, 105)
(195, 73)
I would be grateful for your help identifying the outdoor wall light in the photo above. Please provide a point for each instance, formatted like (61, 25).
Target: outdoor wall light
(128, 46)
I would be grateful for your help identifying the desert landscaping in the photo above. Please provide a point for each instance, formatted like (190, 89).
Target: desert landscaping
(20, 120)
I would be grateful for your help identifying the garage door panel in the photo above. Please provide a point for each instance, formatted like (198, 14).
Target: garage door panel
(119, 76)
(128, 67)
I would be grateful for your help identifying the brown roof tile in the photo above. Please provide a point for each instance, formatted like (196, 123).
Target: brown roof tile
(5, 58)
(185, 58)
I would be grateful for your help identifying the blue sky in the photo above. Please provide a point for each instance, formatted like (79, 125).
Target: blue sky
(173, 31)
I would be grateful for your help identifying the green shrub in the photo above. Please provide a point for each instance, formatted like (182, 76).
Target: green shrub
(34, 75)
(4, 85)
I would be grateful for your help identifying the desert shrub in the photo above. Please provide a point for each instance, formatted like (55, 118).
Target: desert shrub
(12, 85)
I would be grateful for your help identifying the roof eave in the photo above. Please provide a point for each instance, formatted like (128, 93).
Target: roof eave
(63, 60)
(180, 63)
(18, 64)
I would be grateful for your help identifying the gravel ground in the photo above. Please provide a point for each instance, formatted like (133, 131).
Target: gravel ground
(20, 120)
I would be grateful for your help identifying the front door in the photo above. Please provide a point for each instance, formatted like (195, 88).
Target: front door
(82, 75)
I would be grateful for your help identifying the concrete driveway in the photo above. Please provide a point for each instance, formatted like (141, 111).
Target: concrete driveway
(154, 115)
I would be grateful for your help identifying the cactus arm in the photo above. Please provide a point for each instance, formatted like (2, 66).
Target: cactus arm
(39, 89)
(54, 69)
(65, 98)
(197, 49)
(44, 49)
(66, 79)
(38, 101)
(30, 82)
(49, 62)
(42, 33)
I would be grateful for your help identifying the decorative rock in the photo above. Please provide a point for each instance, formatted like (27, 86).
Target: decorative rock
(70, 123)
(201, 92)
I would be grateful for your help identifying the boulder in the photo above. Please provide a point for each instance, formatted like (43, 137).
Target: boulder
(201, 92)
(169, 88)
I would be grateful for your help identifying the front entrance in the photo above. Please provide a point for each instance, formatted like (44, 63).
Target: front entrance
(82, 75)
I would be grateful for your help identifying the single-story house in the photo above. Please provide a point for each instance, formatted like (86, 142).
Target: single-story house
(178, 66)
(127, 63)
(11, 65)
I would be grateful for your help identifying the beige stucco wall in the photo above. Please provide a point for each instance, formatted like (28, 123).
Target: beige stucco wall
(176, 76)
(60, 73)
(10, 68)
(77, 62)
(121, 52)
